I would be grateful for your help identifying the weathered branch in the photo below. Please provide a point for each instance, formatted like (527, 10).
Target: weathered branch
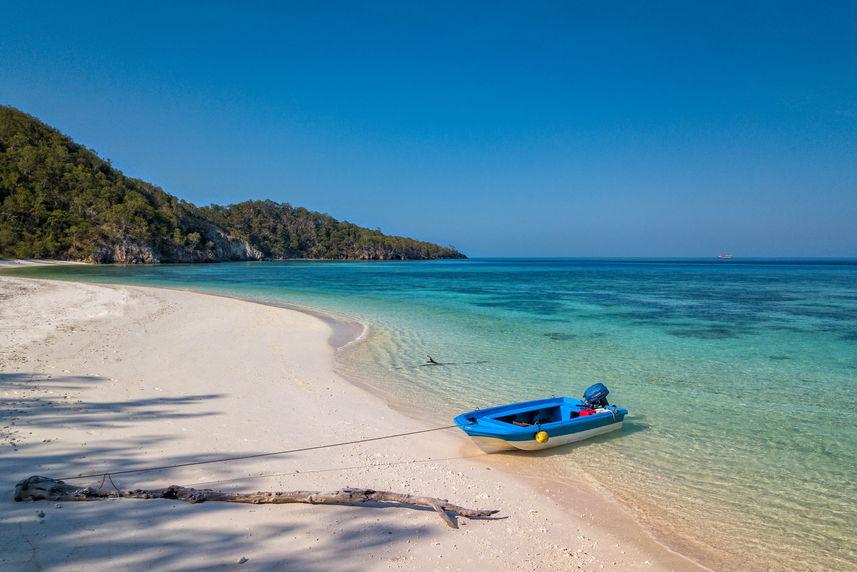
(45, 488)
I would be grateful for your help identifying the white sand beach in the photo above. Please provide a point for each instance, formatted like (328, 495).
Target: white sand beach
(110, 378)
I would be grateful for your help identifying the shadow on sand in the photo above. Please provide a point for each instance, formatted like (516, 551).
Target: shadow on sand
(157, 534)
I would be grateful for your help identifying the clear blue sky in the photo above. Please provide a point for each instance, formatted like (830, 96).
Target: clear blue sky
(503, 128)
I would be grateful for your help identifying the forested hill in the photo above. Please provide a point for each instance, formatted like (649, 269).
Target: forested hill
(60, 200)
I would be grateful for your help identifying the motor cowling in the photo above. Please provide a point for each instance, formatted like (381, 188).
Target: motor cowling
(596, 395)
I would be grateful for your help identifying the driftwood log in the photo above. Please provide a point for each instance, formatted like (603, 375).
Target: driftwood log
(45, 488)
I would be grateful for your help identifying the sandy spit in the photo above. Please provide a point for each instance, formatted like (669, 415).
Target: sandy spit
(107, 378)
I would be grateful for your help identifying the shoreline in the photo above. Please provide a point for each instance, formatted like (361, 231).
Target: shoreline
(453, 451)
(517, 465)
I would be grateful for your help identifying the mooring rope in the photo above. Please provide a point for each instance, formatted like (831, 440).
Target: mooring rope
(108, 474)
(332, 470)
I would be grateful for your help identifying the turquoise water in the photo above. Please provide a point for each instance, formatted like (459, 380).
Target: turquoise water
(741, 377)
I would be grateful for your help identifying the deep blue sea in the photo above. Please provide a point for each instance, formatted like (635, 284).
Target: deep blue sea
(740, 376)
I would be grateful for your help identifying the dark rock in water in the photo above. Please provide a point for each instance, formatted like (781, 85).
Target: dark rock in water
(710, 333)
(560, 337)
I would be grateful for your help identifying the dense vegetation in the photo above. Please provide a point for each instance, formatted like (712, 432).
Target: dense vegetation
(283, 231)
(60, 200)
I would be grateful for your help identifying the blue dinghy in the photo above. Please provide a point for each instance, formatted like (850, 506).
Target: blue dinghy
(543, 423)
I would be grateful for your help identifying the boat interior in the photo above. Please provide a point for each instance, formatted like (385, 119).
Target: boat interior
(538, 416)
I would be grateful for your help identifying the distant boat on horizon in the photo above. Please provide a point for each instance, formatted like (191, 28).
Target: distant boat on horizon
(724, 256)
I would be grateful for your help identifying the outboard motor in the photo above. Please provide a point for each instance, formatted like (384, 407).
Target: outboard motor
(596, 395)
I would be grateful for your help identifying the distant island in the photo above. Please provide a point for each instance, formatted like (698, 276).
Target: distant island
(59, 200)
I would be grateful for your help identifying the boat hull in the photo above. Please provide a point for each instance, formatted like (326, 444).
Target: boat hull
(557, 421)
(498, 445)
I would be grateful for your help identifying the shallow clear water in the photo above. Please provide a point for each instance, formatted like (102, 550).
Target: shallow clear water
(741, 377)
